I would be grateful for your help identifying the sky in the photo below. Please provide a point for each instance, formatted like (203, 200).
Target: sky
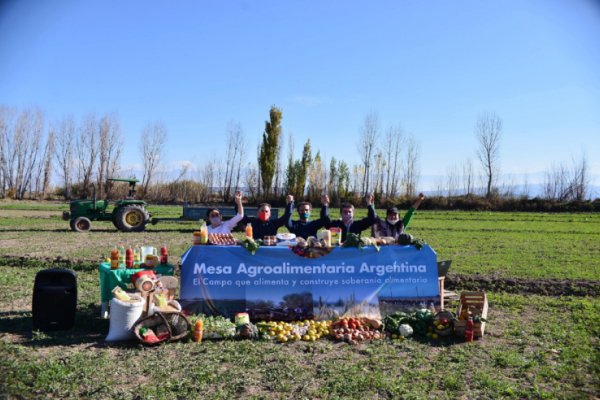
(430, 67)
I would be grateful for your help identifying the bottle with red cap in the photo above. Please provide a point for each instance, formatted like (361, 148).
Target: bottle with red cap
(164, 255)
(469, 329)
(129, 258)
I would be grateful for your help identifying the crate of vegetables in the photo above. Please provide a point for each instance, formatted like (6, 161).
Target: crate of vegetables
(474, 304)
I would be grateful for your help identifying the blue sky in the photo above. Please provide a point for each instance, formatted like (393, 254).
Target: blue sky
(431, 67)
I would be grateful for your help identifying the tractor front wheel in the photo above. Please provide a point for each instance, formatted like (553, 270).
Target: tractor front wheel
(80, 224)
(132, 218)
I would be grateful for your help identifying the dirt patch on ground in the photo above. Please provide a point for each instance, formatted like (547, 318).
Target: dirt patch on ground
(539, 286)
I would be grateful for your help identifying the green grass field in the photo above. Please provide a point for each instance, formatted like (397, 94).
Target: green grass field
(535, 346)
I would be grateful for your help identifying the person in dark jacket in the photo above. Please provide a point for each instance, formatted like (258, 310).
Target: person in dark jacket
(264, 225)
(304, 227)
(347, 223)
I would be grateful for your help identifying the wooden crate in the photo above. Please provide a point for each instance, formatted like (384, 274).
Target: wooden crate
(477, 303)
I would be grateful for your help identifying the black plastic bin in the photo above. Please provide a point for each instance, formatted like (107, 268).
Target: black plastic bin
(54, 299)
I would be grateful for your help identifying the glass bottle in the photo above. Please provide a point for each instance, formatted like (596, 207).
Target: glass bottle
(137, 254)
(122, 254)
(114, 258)
(469, 330)
(203, 234)
(129, 258)
(196, 238)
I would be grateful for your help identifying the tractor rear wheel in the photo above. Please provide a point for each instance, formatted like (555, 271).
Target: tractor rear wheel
(80, 224)
(132, 218)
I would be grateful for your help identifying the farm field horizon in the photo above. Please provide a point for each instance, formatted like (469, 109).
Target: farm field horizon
(502, 244)
(535, 346)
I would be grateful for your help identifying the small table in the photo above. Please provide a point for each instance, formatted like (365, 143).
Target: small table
(111, 278)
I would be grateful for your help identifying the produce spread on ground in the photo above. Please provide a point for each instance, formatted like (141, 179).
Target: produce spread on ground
(423, 323)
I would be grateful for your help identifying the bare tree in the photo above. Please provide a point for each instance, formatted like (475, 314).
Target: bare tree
(109, 152)
(556, 183)
(411, 174)
(7, 116)
(65, 150)
(378, 172)
(525, 189)
(240, 161)
(154, 137)
(452, 179)
(24, 154)
(358, 173)
(393, 143)
(208, 174)
(563, 183)
(251, 181)
(46, 165)
(580, 179)
(233, 159)
(87, 151)
(366, 147)
(488, 131)
(468, 175)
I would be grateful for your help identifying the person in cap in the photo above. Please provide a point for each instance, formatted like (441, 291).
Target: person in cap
(304, 227)
(214, 217)
(392, 225)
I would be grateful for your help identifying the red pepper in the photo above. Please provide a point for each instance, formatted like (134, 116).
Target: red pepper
(150, 337)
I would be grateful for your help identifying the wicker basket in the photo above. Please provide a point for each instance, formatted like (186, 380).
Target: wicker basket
(441, 316)
(175, 324)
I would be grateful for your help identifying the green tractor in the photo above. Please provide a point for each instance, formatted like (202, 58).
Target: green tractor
(128, 215)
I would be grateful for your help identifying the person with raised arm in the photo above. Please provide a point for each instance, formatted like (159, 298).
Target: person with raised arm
(304, 227)
(217, 225)
(263, 225)
(347, 224)
(392, 225)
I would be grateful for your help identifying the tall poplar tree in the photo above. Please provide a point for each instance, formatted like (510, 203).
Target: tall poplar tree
(302, 170)
(269, 150)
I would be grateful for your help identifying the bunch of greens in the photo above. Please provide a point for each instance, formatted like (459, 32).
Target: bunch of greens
(419, 320)
(250, 244)
(355, 240)
(218, 328)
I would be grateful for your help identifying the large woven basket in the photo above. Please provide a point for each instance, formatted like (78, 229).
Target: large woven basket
(447, 315)
(176, 324)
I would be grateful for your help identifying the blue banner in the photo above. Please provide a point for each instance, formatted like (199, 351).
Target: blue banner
(277, 284)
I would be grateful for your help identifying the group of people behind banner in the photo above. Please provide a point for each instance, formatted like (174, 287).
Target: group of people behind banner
(263, 225)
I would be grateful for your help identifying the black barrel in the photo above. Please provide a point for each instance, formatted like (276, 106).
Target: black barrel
(54, 299)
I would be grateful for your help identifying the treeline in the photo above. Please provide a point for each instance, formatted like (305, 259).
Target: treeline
(73, 157)
(522, 203)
